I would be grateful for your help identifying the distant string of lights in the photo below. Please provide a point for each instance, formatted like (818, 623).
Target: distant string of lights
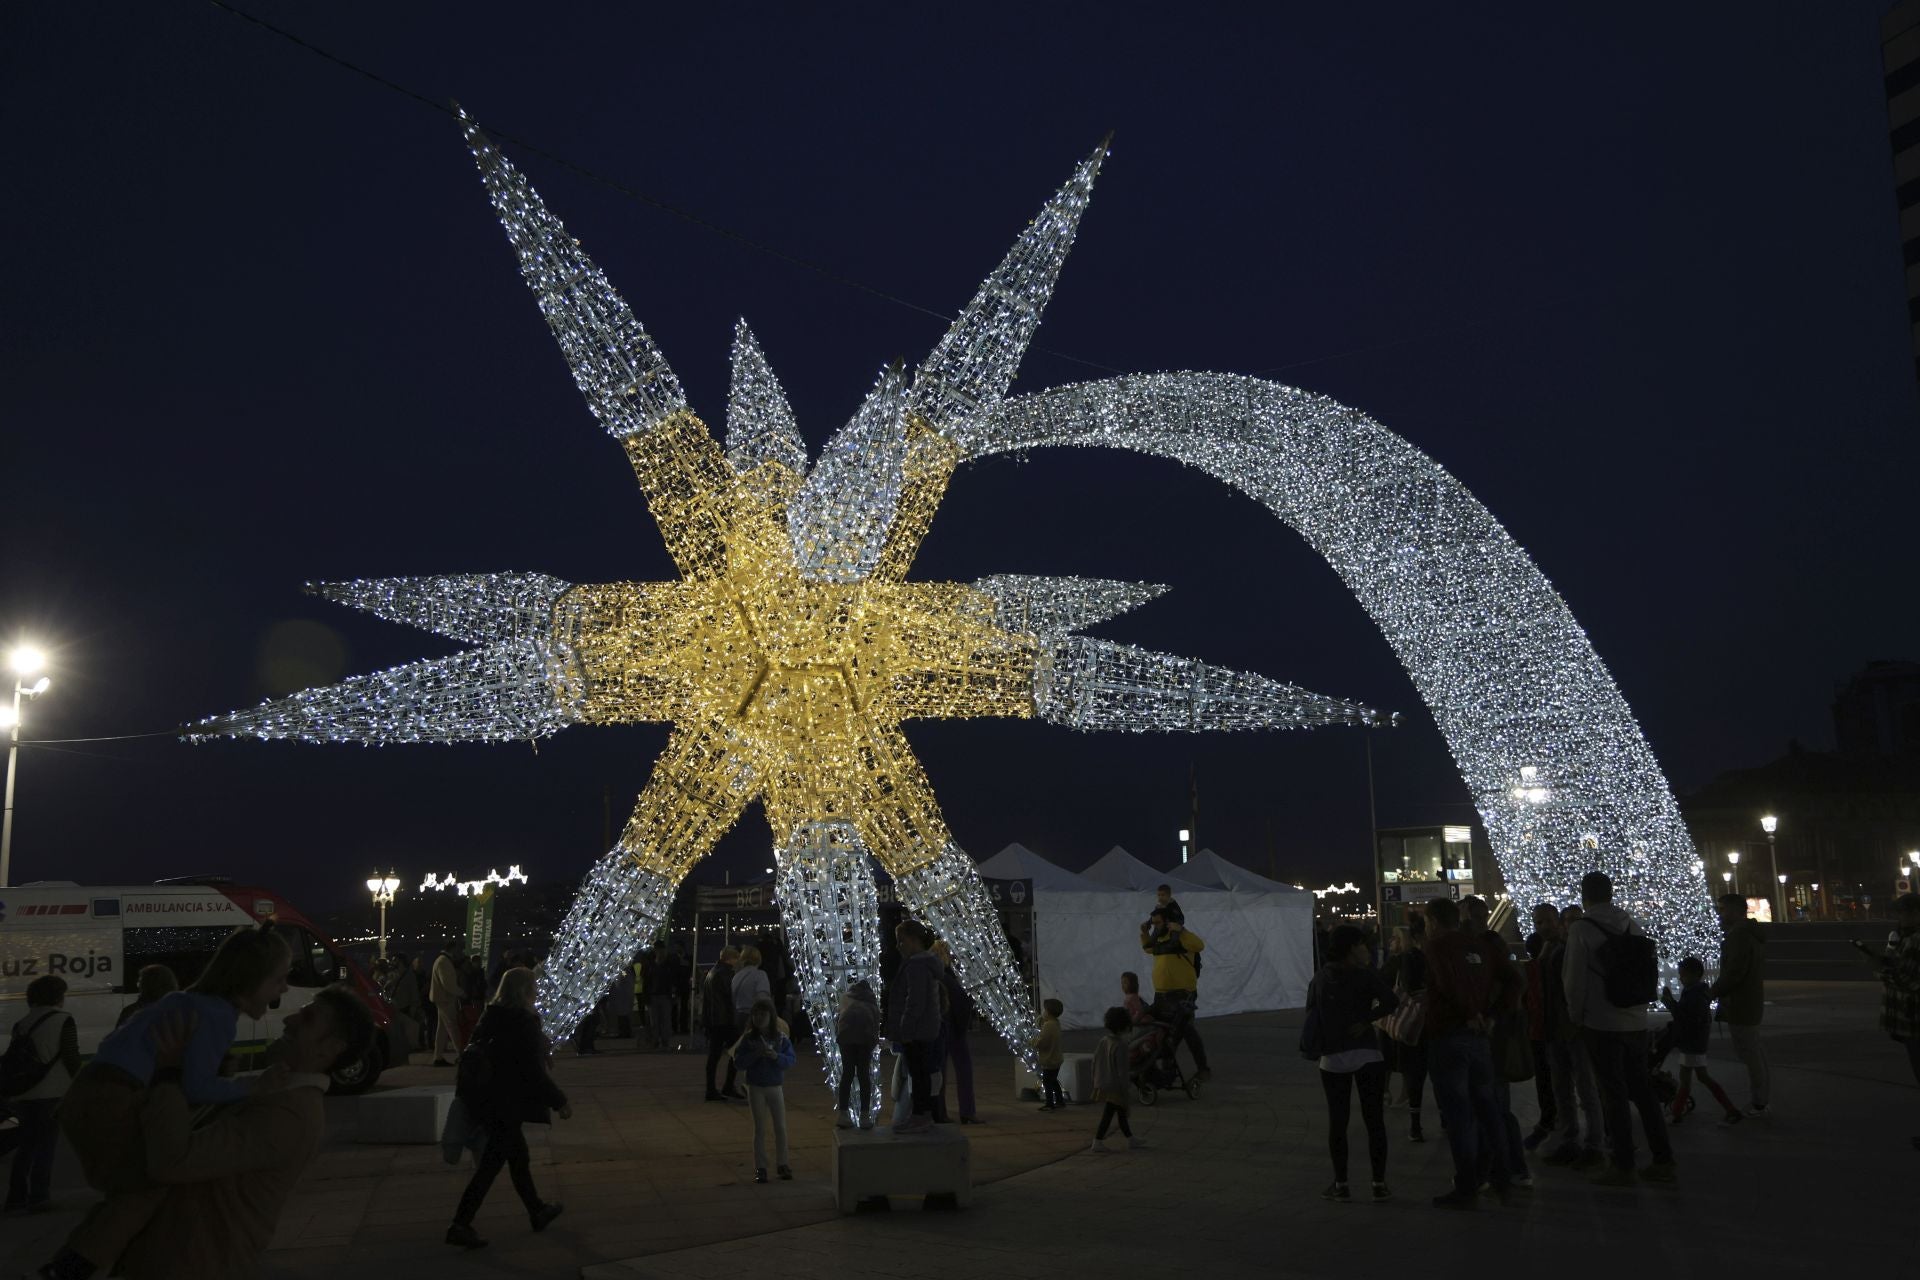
(466, 888)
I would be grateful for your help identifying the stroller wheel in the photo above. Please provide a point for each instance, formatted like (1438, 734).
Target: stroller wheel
(1148, 1095)
(1692, 1102)
(1193, 1088)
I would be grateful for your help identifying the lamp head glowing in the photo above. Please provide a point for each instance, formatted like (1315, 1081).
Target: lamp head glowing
(1769, 824)
(26, 660)
(39, 686)
(8, 717)
(1734, 857)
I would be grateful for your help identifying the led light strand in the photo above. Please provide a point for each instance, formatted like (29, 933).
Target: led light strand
(474, 607)
(466, 888)
(1562, 776)
(1058, 606)
(830, 910)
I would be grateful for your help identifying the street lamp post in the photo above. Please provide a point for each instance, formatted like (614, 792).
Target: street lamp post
(25, 661)
(383, 888)
(1771, 824)
(1186, 839)
(1733, 860)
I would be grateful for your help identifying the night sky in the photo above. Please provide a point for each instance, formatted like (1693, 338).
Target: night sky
(1632, 274)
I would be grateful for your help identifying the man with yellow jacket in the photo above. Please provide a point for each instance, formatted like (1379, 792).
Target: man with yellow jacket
(1176, 980)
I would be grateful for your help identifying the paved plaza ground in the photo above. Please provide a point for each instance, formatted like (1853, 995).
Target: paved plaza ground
(658, 1183)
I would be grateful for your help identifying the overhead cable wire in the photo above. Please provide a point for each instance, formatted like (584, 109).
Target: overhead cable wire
(625, 189)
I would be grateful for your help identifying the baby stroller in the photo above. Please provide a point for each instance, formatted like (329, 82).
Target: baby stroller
(1154, 1061)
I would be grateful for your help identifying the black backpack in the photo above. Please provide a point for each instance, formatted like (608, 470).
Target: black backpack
(20, 1066)
(1629, 967)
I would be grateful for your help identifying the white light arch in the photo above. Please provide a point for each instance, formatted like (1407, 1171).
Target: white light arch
(1561, 774)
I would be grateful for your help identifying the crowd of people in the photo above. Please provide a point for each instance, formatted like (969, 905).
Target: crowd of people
(1457, 1006)
(1454, 1005)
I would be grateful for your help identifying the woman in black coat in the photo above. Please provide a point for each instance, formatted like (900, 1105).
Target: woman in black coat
(1348, 996)
(516, 1090)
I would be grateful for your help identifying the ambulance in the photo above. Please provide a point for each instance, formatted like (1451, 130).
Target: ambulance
(99, 939)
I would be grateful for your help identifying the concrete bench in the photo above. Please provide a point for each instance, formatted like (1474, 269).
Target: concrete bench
(412, 1116)
(1076, 1078)
(872, 1164)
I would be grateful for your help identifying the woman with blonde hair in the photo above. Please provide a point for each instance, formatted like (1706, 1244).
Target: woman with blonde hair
(155, 980)
(504, 1082)
(750, 984)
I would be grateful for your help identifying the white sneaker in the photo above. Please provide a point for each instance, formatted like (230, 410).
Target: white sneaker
(1098, 1147)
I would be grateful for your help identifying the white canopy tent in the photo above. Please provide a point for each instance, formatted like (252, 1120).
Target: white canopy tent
(1118, 869)
(1259, 933)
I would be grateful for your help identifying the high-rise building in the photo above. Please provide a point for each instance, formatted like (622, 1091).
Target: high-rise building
(1900, 61)
(1877, 712)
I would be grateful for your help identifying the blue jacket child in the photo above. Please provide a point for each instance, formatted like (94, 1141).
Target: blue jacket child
(1692, 1016)
(763, 1053)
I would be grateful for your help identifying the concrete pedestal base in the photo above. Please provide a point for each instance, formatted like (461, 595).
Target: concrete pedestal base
(411, 1116)
(872, 1164)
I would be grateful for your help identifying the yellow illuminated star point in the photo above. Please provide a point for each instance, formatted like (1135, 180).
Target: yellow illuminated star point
(779, 688)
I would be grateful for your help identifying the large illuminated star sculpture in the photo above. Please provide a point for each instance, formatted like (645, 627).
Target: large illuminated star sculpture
(791, 648)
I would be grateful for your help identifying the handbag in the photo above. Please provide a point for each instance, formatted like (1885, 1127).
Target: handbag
(1409, 1017)
(1312, 1038)
(462, 1133)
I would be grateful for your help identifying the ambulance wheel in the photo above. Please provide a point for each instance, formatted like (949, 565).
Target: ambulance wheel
(358, 1077)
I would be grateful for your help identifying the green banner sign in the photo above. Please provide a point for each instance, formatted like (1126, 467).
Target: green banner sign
(480, 924)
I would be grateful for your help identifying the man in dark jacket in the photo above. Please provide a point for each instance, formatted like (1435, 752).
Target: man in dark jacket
(1741, 990)
(1466, 985)
(916, 1019)
(716, 1015)
(1575, 1092)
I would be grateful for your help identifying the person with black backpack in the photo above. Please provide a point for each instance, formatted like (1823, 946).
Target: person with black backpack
(41, 1060)
(503, 1082)
(1612, 973)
